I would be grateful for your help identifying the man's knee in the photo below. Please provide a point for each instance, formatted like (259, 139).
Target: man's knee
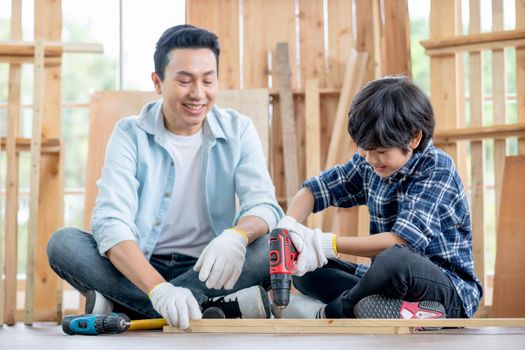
(61, 243)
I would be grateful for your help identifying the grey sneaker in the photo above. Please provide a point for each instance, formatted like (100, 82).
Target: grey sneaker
(97, 304)
(378, 306)
(252, 302)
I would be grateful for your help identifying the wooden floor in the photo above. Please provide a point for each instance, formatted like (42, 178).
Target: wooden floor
(45, 336)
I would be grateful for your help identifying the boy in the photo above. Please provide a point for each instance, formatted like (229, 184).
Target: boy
(420, 232)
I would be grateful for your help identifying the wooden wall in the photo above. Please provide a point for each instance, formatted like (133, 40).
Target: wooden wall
(319, 42)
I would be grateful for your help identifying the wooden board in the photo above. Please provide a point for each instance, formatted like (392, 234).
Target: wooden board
(499, 96)
(477, 198)
(335, 326)
(520, 73)
(397, 38)
(312, 137)
(107, 107)
(288, 130)
(340, 39)
(8, 286)
(48, 27)
(265, 24)
(311, 24)
(509, 279)
(220, 17)
(254, 104)
(444, 77)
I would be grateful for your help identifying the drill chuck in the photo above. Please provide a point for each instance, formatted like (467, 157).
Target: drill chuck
(91, 324)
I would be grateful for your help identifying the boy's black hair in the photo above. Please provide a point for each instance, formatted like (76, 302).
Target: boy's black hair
(184, 36)
(388, 112)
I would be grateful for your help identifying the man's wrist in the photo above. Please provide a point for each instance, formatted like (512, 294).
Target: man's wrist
(240, 233)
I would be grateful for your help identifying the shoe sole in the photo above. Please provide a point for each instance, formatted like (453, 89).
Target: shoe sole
(377, 306)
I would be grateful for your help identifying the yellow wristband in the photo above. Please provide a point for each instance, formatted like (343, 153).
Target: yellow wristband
(334, 243)
(152, 289)
(242, 233)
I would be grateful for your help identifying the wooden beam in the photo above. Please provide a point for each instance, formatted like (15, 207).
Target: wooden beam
(211, 15)
(289, 130)
(312, 137)
(520, 72)
(336, 326)
(24, 145)
(474, 42)
(8, 291)
(477, 198)
(450, 136)
(34, 198)
(397, 38)
(16, 48)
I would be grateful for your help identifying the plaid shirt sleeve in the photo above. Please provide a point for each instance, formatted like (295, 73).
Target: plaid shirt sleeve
(340, 186)
(420, 214)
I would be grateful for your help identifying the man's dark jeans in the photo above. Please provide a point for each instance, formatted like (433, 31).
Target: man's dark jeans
(73, 255)
(398, 272)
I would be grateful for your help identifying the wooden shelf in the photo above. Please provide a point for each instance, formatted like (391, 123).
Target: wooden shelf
(13, 51)
(475, 42)
(479, 133)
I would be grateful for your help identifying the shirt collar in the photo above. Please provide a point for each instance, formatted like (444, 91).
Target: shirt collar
(410, 166)
(152, 121)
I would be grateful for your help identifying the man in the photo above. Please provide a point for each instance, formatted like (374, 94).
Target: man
(163, 241)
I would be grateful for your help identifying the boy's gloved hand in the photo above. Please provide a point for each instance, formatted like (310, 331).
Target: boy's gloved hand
(177, 305)
(220, 264)
(314, 246)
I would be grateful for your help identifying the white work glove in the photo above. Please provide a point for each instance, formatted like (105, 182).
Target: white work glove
(220, 264)
(177, 305)
(314, 246)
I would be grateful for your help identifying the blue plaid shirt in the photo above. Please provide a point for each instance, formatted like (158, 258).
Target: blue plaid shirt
(423, 202)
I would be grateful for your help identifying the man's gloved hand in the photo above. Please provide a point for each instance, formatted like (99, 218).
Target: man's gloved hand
(314, 246)
(220, 264)
(176, 304)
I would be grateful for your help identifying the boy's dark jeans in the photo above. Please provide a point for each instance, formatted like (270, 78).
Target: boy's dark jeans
(398, 272)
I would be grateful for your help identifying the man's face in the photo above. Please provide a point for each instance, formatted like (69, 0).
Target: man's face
(189, 89)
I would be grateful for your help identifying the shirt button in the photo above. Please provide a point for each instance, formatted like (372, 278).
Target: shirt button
(157, 223)
(167, 194)
(172, 164)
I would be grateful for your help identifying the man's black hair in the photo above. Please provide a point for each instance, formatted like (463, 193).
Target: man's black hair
(388, 112)
(183, 36)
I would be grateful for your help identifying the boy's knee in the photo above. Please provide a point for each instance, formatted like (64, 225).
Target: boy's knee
(393, 257)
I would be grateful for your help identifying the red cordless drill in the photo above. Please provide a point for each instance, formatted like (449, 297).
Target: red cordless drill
(282, 258)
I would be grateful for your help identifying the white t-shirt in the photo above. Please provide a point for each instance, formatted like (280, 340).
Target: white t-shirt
(186, 229)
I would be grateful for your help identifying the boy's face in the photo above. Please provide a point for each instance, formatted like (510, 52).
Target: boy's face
(189, 89)
(387, 161)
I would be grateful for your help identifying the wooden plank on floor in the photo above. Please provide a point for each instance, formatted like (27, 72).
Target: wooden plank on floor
(509, 279)
(8, 290)
(477, 199)
(289, 130)
(222, 18)
(336, 326)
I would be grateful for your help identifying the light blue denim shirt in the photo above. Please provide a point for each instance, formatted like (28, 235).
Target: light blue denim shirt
(136, 184)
